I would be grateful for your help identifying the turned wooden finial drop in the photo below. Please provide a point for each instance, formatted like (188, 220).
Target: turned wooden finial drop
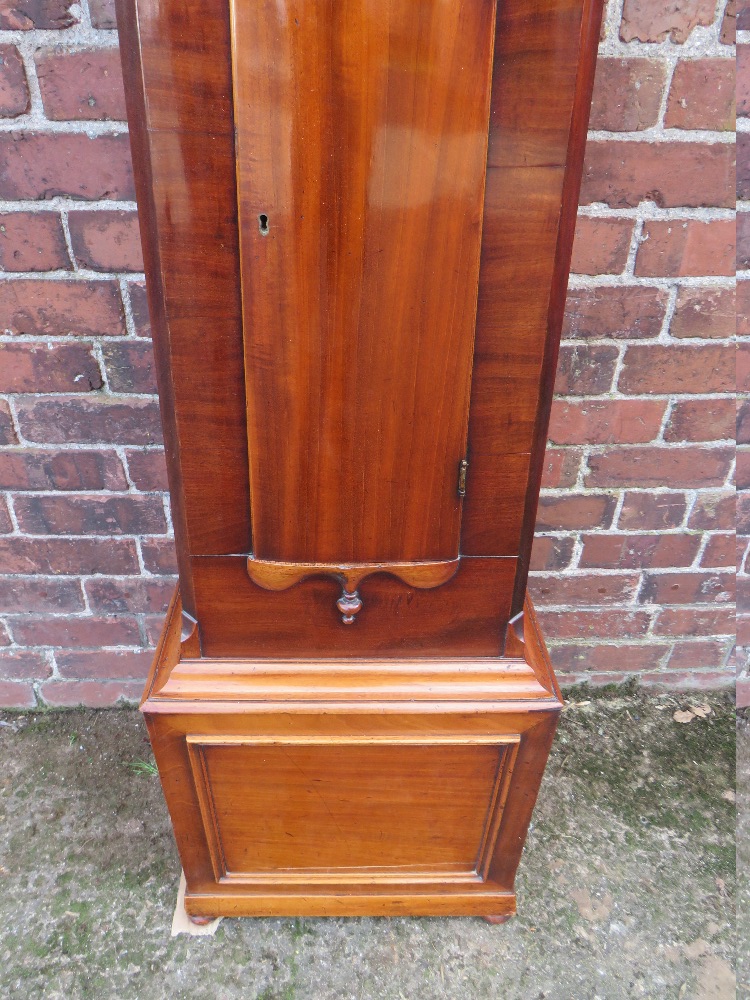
(348, 604)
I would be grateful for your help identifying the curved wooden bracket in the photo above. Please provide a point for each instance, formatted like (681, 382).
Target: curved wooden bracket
(273, 575)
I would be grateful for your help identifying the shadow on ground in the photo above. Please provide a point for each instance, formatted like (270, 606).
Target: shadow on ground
(626, 888)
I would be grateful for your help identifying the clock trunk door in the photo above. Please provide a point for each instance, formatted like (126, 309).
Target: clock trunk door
(361, 145)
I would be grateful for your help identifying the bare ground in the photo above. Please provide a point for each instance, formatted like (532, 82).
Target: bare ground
(626, 889)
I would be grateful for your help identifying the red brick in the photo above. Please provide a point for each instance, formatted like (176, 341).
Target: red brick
(686, 248)
(591, 589)
(743, 594)
(669, 368)
(23, 665)
(24, 15)
(81, 85)
(139, 306)
(148, 470)
(702, 680)
(103, 13)
(743, 165)
(728, 34)
(620, 623)
(743, 80)
(15, 694)
(652, 511)
(66, 164)
(697, 654)
(159, 556)
(606, 421)
(105, 664)
(638, 551)
(32, 241)
(655, 20)
(743, 468)
(130, 366)
(743, 308)
(743, 551)
(695, 621)
(7, 432)
(19, 595)
(6, 525)
(627, 94)
(742, 426)
(702, 95)
(72, 631)
(153, 626)
(80, 556)
(561, 466)
(713, 511)
(41, 308)
(550, 553)
(576, 511)
(627, 312)
(106, 241)
(673, 175)
(14, 89)
(585, 370)
(92, 694)
(688, 588)
(704, 312)
(743, 514)
(126, 514)
(743, 241)
(743, 367)
(135, 595)
(606, 657)
(676, 467)
(701, 420)
(601, 245)
(48, 469)
(48, 368)
(89, 421)
(720, 551)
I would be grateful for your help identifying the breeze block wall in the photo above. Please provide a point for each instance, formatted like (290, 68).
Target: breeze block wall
(633, 566)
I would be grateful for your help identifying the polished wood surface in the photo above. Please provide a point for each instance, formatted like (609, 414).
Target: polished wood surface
(361, 151)
(463, 617)
(296, 789)
(357, 223)
(355, 820)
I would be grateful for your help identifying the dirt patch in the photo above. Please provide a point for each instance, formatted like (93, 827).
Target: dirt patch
(626, 889)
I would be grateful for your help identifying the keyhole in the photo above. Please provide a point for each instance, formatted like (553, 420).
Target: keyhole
(263, 224)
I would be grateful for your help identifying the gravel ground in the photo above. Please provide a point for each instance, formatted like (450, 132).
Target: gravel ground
(743, 854)
(626, 889)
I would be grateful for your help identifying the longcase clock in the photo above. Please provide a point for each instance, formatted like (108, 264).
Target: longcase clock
(357, 220)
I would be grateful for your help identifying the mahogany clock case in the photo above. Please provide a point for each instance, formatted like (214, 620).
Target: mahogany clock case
(357, 223)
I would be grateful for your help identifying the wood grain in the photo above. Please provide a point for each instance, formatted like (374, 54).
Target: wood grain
(463, 617)
(361, 291)
(360, 295)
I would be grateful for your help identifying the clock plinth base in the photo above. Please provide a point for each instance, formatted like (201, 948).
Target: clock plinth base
(355, 787)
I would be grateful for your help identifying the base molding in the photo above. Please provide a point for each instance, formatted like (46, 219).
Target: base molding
(502, 904)
(350, 787)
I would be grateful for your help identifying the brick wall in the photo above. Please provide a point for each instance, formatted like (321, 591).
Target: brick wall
(743, 355)
(634, 558)
(635, 552)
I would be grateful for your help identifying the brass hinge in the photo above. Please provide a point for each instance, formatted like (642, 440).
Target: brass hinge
(463, 465)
